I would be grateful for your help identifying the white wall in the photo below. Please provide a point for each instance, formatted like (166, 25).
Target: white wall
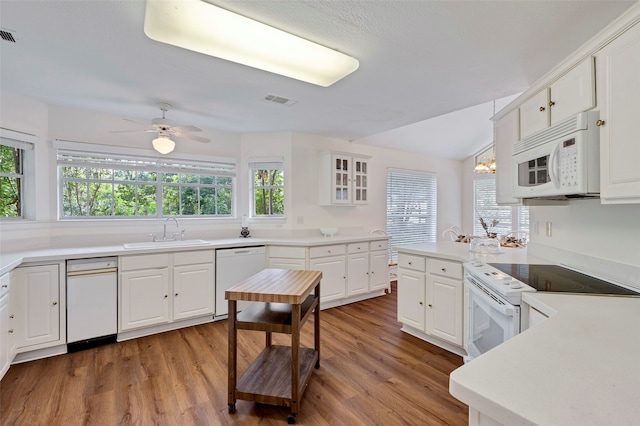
(300, 153)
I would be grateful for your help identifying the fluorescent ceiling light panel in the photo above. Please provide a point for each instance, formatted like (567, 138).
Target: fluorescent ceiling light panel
(205, 28)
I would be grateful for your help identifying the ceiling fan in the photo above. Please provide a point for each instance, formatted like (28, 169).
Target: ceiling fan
(165, 128)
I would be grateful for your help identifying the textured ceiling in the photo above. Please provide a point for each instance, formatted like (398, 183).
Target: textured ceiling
(418, 60)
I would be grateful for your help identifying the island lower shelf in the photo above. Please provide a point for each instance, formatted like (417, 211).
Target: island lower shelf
(268, 379)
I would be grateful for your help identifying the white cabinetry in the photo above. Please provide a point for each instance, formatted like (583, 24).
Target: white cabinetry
(344, 179)
(378, 265)
(40, 305)
(444, 300)
(160, 288)
(330, 260)
(506, 133)
(572, 93)
(431, 299)
(287, 257)
(357, 268)
(619, 101)
(144, 291)
(411, 291)
(6, 333)
(193, 284)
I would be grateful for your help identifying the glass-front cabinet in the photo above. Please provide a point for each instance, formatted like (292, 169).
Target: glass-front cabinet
(344, 179)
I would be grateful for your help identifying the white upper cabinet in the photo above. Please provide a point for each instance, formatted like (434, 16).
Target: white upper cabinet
(344, 179)
(506, 133)
(619, 101)
(572, 93)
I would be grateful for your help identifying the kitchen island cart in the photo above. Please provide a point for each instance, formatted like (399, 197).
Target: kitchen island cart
(282, 301)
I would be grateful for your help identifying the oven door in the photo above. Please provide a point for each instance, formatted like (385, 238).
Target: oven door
(490, 321)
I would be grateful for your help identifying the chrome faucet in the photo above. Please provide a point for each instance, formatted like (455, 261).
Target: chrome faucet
(164, 232)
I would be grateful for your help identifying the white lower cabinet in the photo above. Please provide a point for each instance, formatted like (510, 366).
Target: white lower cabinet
(161, 288)
(431, 298)
(284, 257)
(334, 275)
(378, 265)
(6, 336)
(357, 274)
(40, 305)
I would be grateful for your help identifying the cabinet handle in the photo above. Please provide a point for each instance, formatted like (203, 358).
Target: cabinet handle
(430, 305)
(542, 109)
(55, 303)
(421, 303)
(176, 294)
(10, 330)
(410, 263)
(600, 123)
(443, 269)
(166, 295)
(4, 286)
(11, 316)
(328, 251)
(551, 103)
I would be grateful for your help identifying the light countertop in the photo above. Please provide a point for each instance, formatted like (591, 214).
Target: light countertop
(451, 250)
(9, 261)
(581, 366)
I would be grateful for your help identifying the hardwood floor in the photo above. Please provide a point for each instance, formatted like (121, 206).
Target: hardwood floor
(370, 373)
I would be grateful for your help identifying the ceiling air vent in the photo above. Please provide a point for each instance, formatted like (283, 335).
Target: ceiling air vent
(7, 36)
(279, 99)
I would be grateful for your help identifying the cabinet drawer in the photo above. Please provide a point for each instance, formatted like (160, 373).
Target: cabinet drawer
(379, 245)
(192, 257)
(357, 248)
(145, 261)
(323, 251)
(407, 261)
(287, 252)
(445, 268)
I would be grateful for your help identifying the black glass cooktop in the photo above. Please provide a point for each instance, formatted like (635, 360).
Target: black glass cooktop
(558, 279)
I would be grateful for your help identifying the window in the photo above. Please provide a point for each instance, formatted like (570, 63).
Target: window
(12, 176)
(485, 207)
(267, 188)
(411, 207)
(99, 185)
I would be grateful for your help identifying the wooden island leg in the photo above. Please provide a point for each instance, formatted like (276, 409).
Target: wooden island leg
(295, 362)
(233, 353)
(316, 326)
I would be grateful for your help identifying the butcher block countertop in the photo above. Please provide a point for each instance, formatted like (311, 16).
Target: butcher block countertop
(276, 286)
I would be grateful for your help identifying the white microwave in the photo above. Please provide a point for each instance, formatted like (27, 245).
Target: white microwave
(562, 161)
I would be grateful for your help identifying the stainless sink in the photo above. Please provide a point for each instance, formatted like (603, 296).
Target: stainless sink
(166, 243)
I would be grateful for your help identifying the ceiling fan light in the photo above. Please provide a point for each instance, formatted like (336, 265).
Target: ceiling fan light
(481, 168)
(163, 144)
(202, 27)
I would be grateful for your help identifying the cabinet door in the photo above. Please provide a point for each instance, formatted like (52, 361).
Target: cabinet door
(341, 179)
(333, 277)
(411, 292)
(444, 308)
(534, 114)
(37, 294)
(360, 181)
(506, 133)
(573, 93)
(357, 274)
(378, 270)
(618, 88)
(295, 264)
(193, 290)
(144, 298)
(5, 336)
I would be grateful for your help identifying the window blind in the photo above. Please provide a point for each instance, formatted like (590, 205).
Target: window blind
(411, 207)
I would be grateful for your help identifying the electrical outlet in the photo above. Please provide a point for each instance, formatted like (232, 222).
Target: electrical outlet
(548, 229)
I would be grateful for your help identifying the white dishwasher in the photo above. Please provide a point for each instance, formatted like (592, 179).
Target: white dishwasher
(92, 302)
(232, 266)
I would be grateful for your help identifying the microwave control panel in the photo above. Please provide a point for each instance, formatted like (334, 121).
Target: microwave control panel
(569, 164)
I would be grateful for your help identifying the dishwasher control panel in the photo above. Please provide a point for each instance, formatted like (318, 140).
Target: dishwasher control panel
(79, 265)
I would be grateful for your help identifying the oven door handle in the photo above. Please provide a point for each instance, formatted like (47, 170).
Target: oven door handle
(505, 309)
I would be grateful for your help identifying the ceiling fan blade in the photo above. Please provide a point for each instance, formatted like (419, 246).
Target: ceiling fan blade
(130, 131)
(186, 129)
(192, 137)
(142, 123)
